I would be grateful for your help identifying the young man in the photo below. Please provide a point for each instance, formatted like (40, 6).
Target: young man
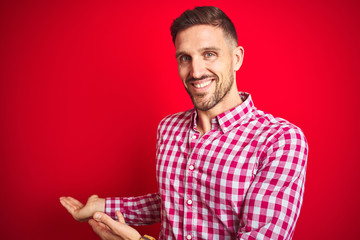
(226, 170)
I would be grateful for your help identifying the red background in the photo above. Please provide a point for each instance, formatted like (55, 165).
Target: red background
(83, 86)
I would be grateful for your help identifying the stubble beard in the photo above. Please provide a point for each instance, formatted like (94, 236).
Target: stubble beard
(221, 90)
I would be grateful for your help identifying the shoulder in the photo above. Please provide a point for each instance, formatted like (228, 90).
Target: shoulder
(274, 129)
(280, 132)
(283, 142)
(269, 121)
(176, 120)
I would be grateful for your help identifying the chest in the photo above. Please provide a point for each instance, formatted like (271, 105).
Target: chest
(216, 164)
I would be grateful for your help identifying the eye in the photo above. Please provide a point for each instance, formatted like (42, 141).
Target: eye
(184, 58)
(209, 54)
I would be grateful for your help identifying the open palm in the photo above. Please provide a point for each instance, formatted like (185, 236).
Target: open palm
(81, 212)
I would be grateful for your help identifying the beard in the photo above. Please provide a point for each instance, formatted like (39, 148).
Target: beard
(203, 101)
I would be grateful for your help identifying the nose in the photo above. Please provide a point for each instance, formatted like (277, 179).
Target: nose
(197, 68)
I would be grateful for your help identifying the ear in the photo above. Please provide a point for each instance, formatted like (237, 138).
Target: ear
(238, 54)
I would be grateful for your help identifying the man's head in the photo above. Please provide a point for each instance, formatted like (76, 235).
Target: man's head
(208, 57)
(205, 16)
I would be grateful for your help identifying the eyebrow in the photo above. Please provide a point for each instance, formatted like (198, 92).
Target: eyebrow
(205, 49)
(179, 54)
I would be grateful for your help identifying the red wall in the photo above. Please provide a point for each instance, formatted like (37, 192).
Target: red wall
(83, 86)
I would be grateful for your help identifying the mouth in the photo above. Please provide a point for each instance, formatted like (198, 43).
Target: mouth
(202, 84)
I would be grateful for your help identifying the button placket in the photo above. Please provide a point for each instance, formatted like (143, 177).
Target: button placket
(188, 211)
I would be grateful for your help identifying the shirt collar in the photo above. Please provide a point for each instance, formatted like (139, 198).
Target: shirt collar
(227, 120)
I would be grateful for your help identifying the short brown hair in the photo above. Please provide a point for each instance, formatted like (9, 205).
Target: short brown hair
(204, 15)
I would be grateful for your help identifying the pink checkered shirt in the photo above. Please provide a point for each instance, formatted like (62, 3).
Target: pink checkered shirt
(244, 179)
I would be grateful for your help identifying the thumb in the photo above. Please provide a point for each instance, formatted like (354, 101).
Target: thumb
(105, 219)
(94, 196)
(120, 217)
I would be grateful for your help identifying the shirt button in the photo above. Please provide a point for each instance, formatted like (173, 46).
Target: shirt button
(191, 167)
(194, 137)
(188, 237)
(189, 201)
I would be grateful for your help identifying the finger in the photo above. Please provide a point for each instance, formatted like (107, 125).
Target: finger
(120, 217)
(105, 219)
(119, 230)
(93, 223)
(69, 207)
(96, 225)
(103, 233)
(103, 225)
(71, 203)
(75, 208)
(75, 202)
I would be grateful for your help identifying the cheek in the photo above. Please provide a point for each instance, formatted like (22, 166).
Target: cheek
(183, 73)
(225, 68)
(219, 69)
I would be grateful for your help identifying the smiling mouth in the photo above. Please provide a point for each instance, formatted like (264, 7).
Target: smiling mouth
(201, 85)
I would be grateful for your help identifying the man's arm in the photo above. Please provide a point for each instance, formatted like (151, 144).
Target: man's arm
(274, 199)
(143, 210)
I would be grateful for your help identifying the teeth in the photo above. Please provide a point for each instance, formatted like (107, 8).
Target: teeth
(201, 85)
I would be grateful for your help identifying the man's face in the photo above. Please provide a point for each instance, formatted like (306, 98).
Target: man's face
(206, 64)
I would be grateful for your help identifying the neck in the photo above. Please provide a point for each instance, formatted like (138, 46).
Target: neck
(230, 101)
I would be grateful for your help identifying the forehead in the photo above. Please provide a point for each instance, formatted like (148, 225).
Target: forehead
(200, 36)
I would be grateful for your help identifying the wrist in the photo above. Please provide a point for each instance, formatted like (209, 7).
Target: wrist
(147, 237)
(100, 205)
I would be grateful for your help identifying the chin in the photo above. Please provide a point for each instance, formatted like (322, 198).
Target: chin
(204, 106)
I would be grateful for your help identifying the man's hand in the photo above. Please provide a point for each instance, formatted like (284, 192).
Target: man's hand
(79, 211)
(109, 229)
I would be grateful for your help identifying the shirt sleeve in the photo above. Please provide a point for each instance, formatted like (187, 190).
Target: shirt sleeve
(142, 210)
(272, 204)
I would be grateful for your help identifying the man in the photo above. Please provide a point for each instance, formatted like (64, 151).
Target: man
(226, 170)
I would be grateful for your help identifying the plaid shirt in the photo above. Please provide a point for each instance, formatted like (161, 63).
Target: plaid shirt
(244, 179)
